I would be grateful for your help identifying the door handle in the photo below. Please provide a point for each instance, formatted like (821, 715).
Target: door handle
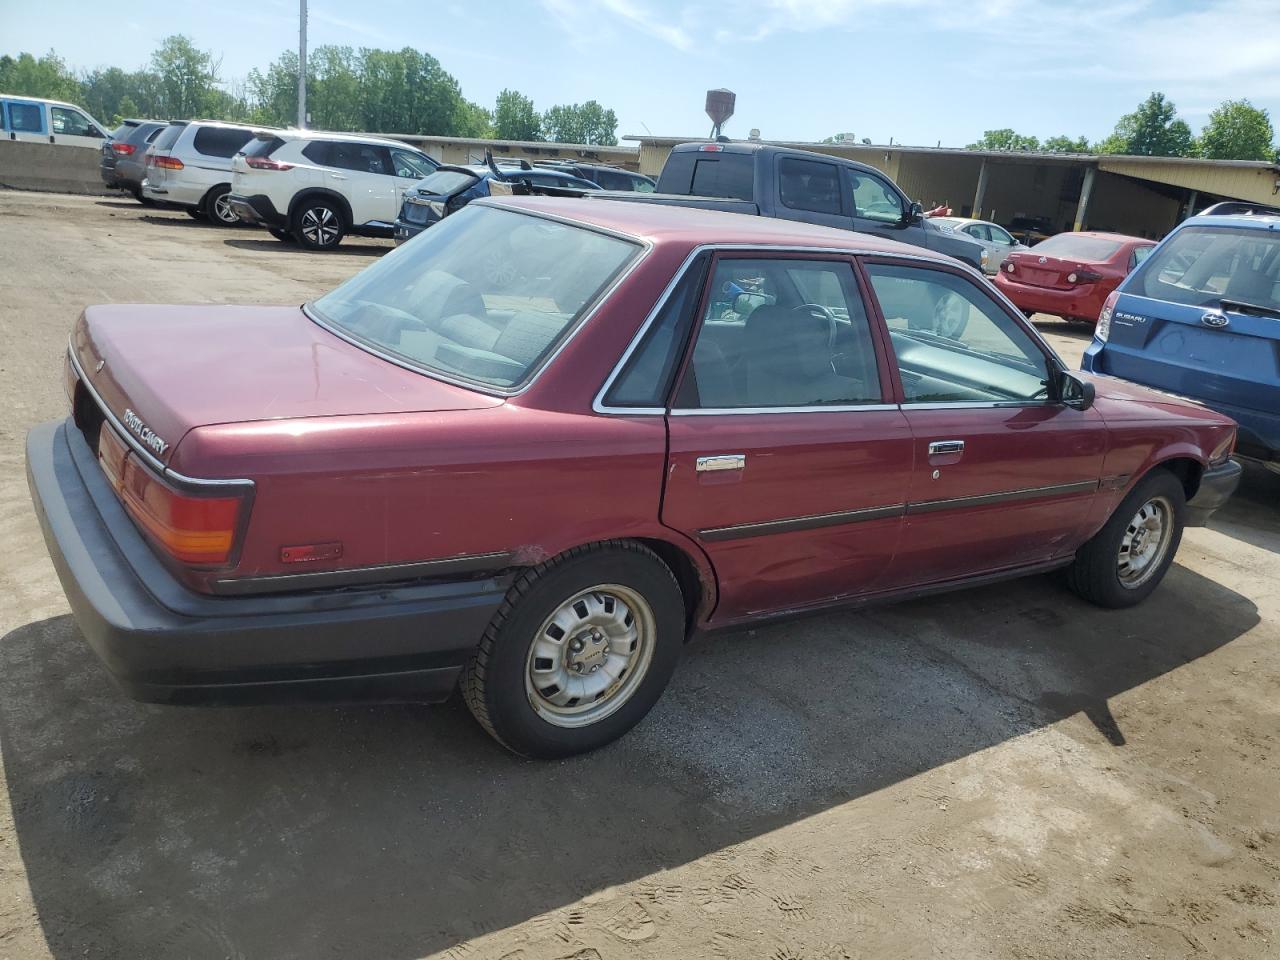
(336, 176)
(723, 461)
(946, 446)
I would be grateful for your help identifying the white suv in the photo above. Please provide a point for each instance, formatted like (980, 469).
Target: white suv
(318, 187)
(189, 166)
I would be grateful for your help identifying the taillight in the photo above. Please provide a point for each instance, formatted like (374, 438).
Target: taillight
(169, 163)
(123, 149)
(265, 163)
(1103, 329)
(1083, 276)
(1008, 266)
(192, 528)
(711, 147)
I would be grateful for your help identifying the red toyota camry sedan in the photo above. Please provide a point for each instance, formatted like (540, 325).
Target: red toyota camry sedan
(1070, 275)
(535, 449)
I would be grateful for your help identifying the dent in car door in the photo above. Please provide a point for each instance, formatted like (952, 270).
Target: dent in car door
(785, 461)
(1004, 475)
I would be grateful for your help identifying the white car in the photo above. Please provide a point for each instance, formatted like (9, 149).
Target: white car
(318, 187)
(189, 166)
(998, 242)
(48, 121)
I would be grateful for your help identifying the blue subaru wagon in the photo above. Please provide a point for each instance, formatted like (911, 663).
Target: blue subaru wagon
(1200, 318)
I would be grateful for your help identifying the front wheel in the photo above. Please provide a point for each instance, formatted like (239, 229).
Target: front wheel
(580, 650)
(1126, 560)
(318, 225)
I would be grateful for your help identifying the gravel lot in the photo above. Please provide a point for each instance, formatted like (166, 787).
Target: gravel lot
(1003, 773)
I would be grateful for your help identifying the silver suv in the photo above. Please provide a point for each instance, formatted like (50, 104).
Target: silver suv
(189, 166)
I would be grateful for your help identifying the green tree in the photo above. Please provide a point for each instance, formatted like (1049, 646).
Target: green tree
(473, 120)
(274, 94)
(1005, 139)
(1064, 144)
(407, 91)
(1153, 130)
(514, 117)
(187, 78)
(333, 88)
(1237, 130)
(46, 76)
(581, 123)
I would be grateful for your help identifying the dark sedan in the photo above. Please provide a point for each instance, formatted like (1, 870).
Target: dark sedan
(450, 189)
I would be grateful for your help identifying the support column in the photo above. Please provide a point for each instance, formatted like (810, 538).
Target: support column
(1193, 200)
(980, 194)
(1086, 188)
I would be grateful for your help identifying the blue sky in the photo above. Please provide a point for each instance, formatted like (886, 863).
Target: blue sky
(920, 71)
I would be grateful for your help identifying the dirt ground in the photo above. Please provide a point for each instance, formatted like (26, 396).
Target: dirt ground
(1003, 773)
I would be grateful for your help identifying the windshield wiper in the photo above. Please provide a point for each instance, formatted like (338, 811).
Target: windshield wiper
(1243, 306)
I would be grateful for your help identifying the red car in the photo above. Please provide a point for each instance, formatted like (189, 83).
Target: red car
(536, 448)
(1070, 275)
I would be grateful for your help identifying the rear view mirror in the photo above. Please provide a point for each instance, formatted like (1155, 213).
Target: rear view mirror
(914, 214)
(1075, 391)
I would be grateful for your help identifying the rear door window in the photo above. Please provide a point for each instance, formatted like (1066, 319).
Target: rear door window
(809, 185)
(221, 141)
(25, 117)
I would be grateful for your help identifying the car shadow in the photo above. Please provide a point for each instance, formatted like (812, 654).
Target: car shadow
(122, 204)
(302, 832)
(1062, 328)
(1253, 512)
(273, 245)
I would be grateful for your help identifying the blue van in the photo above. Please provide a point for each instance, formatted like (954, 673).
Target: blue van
(1200, 318)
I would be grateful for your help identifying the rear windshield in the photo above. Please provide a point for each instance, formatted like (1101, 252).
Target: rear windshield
(483, 296)
(169, 136)
(262, 147)
(221, 141)
(1072, 246)
(445, 183)
(122, 131)
(1206, 265)
(708, 174)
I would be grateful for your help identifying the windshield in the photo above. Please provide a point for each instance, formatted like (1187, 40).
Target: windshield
(1072, 246)
(1206, 265)
(483, 296)
(445, 183)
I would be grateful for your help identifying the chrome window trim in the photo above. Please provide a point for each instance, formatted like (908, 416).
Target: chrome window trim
(130, 441)
(505, 393)
(832, 408)
(975, 404)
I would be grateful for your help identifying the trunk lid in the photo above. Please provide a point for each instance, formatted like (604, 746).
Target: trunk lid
(163, 370)
(1039, 270)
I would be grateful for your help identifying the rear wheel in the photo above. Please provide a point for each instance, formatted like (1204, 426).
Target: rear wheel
(1126, 560)
(318, 224)
(217, 203)
(580, 650)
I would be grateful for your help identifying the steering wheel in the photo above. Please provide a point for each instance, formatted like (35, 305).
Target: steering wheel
(817, 308)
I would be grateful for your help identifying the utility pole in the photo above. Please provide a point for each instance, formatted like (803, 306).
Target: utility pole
(302, 64)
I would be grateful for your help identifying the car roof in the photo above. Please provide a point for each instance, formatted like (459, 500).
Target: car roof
(56, 103)
(660, 223)
(1252, 221)
(296, 134)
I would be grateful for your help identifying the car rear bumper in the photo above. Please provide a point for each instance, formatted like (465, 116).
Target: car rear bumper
(175, 191)
(1217, 484)
(1085, 304)
(404, 231)
(164, 643)
(257, 209)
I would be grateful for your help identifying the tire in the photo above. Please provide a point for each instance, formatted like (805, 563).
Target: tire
(318, 224)
(950, 315)
(218, 208)
(141, 197)
(1104, 571)
(523, 682)
(281, 234)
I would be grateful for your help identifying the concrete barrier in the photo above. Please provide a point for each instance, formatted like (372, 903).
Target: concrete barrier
(51, 168)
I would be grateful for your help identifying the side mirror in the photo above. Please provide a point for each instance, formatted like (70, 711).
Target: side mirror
(914, 214)
(1074, 391)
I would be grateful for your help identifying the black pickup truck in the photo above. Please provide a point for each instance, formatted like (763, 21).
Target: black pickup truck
(772, 181)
